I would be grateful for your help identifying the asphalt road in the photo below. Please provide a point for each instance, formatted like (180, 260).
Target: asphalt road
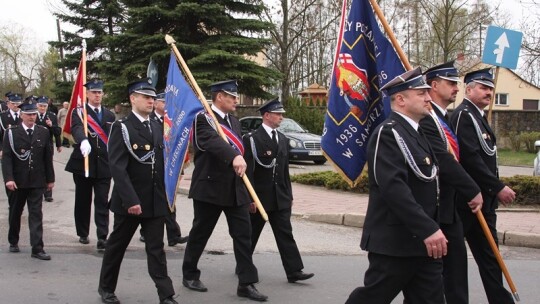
(330, 251)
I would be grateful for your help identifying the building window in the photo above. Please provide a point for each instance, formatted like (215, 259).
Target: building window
(531, 104)
(501, 99)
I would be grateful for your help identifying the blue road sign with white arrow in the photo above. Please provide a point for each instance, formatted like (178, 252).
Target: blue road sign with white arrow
(502, 47)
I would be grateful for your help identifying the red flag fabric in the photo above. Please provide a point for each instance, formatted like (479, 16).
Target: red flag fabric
(76, 98)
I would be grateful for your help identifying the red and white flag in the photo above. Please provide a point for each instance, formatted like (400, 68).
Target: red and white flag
(77, 95)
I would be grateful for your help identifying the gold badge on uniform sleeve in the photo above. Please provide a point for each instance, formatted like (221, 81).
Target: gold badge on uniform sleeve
(147, 147)
(269, 153)
(135, 146)
(427, 161)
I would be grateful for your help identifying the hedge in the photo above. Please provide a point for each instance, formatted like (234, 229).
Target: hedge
(527, 188)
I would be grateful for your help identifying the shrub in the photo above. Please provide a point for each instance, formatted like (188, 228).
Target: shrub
(331, 180)
(528, 138)
(311, 118)
(527, 189)
(515, 140)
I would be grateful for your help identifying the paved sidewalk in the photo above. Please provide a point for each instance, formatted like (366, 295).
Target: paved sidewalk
(516, 227)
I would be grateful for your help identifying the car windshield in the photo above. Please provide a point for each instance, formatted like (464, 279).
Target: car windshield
(290, 126)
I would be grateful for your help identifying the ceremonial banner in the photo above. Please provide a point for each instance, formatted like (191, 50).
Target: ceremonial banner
(76, 101)
(365, 60)
(181, 107)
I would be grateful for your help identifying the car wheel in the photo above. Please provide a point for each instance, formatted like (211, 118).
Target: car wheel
(319, 162)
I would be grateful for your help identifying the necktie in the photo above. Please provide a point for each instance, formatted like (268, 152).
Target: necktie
(226, 118)
(146, 124)
(29, 131)
(16, 117)
(446, 117)
(274, 139)
(98, 114)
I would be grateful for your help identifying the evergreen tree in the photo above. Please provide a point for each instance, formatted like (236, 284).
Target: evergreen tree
(96, 20)
(214, 37)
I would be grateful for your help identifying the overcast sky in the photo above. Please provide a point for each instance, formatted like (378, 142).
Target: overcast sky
(36, 16)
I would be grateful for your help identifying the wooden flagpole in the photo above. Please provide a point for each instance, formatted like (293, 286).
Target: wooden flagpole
(170, 41)
(481, 218)
(490, 111)
(85, 114)
(479, 214)
(390, 34)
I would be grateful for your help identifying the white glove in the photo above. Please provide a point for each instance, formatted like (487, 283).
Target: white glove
(85, 147)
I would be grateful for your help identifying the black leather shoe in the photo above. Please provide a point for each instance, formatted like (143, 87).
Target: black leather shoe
(14, 248)
(178, 240)
(84, 240)
(196, 285)
(41, 256)
(49, 199)
(108, 297)
(168, 300)
(299, 276)
(250, 292)
(101, 244)
(141, 239)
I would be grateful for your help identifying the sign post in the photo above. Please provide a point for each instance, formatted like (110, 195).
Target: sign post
(502, 50)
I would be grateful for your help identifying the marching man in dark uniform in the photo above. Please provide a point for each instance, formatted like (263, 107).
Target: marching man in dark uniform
(10, 117)
(440, 133)
(99, 180)
(404, 242)
(478, 155)
(174, 234)
(138, 197)
(217, 187)
(28, 171)
(48, 120)
(268, 170)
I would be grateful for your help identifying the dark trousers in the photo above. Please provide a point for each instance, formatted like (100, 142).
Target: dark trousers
(124, 228)
(280, 221)
(490, 271)
(419, 278)
(16, 200)
(455, 276)
(83, 205)
(205, 218)
(171, 226)
(47, 194)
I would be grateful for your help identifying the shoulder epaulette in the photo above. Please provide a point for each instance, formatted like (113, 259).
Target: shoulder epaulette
(389, 124)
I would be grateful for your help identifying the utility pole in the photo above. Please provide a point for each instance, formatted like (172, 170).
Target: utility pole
(64, 77)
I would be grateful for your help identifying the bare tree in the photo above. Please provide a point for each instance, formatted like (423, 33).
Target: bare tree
(304, 33)
(19, 56)
(530, 52)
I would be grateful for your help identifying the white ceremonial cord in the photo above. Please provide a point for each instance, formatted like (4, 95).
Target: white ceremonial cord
(440, 129)
(142, 160)
(22, 157)
(254, 150)
(412, 163)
